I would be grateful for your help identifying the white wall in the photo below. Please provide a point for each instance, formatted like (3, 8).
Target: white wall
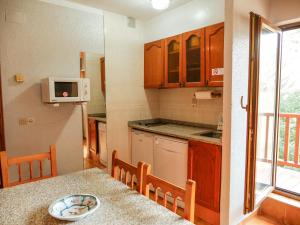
(235, 118)
(284, 10)
(193, 15)
(46, 43)
(126, 97)
(97, 102)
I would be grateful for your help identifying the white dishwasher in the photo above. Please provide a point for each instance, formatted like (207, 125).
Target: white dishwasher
(102, 143)
(142, 147)
(170, 159)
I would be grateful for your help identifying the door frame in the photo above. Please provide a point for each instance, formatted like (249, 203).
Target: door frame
(2, 133)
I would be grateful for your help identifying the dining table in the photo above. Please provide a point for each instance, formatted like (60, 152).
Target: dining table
(28, 204)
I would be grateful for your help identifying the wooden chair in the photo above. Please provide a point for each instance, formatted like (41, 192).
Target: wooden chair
(187, 195)
(18, 161)
(132, 174)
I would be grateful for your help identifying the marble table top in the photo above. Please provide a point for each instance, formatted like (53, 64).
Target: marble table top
(28, 204)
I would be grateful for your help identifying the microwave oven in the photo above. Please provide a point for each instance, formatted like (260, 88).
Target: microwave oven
(58, 89)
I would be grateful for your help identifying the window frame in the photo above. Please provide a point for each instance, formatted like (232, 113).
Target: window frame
(278, 190)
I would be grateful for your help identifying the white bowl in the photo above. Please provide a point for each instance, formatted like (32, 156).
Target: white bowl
(74, 207)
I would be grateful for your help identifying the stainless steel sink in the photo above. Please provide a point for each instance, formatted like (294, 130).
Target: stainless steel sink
(152, 124)
(211, 134)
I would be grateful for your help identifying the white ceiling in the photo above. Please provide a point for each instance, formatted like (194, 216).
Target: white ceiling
(139, 9)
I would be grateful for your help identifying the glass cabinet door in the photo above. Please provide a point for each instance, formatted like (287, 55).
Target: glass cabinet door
(173, 62)
(193, 58)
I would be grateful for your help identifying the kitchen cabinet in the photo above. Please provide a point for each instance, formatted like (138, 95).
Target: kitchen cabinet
(102, 77)
(102, 143)
(204, 167)
(173, 62)
(170, 159)
(93, 139)
(214, 54)
(82, 64)
(193, 58)
(142, 147)
(154, 64)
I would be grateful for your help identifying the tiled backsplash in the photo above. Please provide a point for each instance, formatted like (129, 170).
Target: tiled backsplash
(177, 104)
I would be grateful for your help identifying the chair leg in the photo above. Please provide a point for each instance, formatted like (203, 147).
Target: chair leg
(189, 204)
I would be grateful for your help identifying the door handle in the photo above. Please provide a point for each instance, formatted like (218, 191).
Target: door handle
(242, 104)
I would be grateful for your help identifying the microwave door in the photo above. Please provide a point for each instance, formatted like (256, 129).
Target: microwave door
(67, 91)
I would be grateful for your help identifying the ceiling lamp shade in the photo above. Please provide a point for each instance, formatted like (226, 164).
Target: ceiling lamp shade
(160, 4)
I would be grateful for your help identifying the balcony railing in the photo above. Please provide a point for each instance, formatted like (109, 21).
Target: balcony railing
(286, 120)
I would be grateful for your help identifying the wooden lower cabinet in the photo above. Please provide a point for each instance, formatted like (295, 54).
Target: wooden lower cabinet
(93, 139)
(204, 167)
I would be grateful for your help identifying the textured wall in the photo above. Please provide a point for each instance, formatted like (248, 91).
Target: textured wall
(97, 103)
(177, 104)
(126, 97)
(235, 118)
(284, 10)
(190, 16)
(45, 42)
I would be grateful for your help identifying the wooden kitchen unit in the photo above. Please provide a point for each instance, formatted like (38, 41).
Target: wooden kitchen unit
(154, 64)
(194, 58)
(93, 140)
(214, 54)
(204, 167)
(191, 59)
(173, 62)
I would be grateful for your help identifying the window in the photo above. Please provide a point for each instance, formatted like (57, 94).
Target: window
(262, 110)
(288, 166)
(273, 112)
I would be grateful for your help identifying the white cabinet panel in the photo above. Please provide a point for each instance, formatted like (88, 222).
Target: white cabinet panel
(170, 159)
(142, 147)
(102, 143)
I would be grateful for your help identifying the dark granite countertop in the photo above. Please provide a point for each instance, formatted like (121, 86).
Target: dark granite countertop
(178, 129)
(100, 117)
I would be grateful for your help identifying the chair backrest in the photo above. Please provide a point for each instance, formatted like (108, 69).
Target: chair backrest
(127, 173)
(18, 161)
(187, 195)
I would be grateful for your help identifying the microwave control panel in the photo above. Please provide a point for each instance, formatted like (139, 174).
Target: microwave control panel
(85, 90)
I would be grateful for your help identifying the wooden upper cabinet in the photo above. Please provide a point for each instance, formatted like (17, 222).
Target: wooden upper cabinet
(173, 61)
(92, 130)
(204, 167)
(214, 54)
(154, 64)
(193, 58)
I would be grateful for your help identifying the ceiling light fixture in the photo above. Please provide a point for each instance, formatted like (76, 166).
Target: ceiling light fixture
(160, 4)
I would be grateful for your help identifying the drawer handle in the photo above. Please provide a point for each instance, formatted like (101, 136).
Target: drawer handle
(167, 150)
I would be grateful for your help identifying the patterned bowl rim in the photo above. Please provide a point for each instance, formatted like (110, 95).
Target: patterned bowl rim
(75, 216)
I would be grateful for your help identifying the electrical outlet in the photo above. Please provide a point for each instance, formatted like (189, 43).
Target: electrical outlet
(22, 121)
(25, 121)
(30, 120)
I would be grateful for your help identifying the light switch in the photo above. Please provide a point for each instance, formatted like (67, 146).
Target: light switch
(19, 78)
